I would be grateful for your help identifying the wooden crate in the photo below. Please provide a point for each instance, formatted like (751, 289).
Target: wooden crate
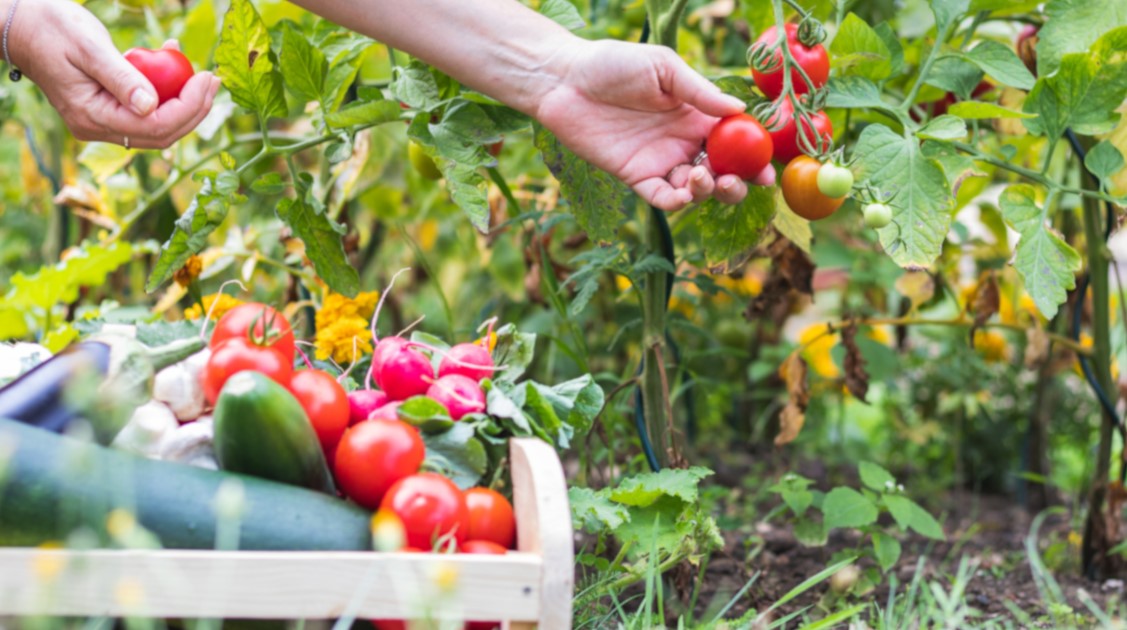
(527, 588)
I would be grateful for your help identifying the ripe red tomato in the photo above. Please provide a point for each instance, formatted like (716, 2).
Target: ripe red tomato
(800, 189)
(491, 517)
(431, 507)
(167, 69)
(739, 145)
(372, 456)
(239, 354)
(814, 61)
(325, 402)
(785, 139)
(237, 322)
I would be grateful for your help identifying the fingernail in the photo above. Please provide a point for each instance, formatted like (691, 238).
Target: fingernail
(142, 102)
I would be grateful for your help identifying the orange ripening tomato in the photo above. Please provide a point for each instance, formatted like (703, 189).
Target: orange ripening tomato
(800, 189)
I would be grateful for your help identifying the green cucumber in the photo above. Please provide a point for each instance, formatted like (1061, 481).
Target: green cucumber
(261, 429)
(51, 484)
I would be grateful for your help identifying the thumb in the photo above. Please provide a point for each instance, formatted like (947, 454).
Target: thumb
(695, 90)
(124, 81)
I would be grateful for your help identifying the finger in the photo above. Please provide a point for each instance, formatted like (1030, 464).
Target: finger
(730, 189)
(692, 88)
(766, 177)
(663, 196)
(108, 67)
(201, 112)
(701, 183)
(168, 122)
(171, 44)
(679, 176)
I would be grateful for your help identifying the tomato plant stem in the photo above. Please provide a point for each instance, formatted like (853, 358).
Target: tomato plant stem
(1034, 175)
(925, 69)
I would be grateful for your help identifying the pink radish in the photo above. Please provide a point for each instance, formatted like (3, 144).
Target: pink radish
(404, 374)
(460, 394)
(389, 411)
(469, 360)
(362, 402)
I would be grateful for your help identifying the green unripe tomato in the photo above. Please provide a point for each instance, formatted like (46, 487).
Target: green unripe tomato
(877, 215)
(422, 162)
(834, 181)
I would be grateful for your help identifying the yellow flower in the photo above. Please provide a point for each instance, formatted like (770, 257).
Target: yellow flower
(189, 272)
(816, 350)
(344, 340)
(623, 283)
(1087, 343)
(966, 294)
(991, 345)
(226, 303)
(880, 335)
(492, 341)
(427, 234)
(751, 284)
(336, 307)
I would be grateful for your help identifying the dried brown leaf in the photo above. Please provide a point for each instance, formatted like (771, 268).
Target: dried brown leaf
(986, 301)
(856, 378)
(793, 415)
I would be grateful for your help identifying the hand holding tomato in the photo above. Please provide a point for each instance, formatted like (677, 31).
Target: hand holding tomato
(166, 68)
(68, 53)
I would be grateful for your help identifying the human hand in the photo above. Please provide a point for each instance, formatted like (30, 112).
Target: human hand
(640, 113)
(68, 53)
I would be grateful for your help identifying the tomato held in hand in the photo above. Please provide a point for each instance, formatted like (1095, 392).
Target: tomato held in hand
(431, 508)
(738, 145)
(491, 517)
(785, 138)
(270, 328)
(800, 189)
(238, 354)
(372, 456)
(326, 404)
(813, 60)
(167, 69)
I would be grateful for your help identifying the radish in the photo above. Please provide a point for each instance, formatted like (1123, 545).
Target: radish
(362, 402)
(404, 374)
(469, 360)
(460, 394)
(385, 349)
(386, 412)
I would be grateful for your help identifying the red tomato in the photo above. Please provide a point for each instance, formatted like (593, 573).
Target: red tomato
(431, 507)
(814, 61)
(238, 354)
(800, 189)
(168, 70)
(325, 402)
(237, 322)
(785, 139)
(372, 456)
(739, 145)
(491, 517)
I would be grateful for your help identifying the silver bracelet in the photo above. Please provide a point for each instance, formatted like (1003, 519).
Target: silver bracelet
(14, 74)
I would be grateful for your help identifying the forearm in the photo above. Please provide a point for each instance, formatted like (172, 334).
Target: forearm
(498, 47)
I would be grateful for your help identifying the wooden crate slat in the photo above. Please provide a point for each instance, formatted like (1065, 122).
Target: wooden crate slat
(266, 585)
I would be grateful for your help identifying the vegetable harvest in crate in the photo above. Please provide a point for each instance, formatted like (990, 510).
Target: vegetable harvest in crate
(415, 433)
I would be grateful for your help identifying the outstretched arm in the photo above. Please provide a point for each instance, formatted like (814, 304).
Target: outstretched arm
(637, 111)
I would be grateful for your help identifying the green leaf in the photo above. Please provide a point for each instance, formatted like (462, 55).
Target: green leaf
(201, 26)
(944, 127)
(189, 235)
(948, 11)
(909, 514)
(953, 74)
(1002, 63)
(269, 184)
(104, 159)
(162, 332)
(645, 489)
(921, 199)
(1085, 93)
(469, 190)
(426, 414)
(563, 13)
(875, 477)
(593, 512)
(855, 93)
(895, 49)
(860, 50)
(322, 238)
(514, 353)
(845, 507)
(246, 62)
(1008, 6)
(457, 454)
(1072, 26)
(565, 409)
(798, 500)
(364, 114)
(1104, 160)
(979, 110)
(795, 228)
(956, 166)
(887, 550)
(596, 198)
(727, 231)
(303, 66)
(415, 85)
(1046, 263)
(344, 51)
(810, 533)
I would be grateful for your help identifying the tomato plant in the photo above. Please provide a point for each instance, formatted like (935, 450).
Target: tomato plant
(834, 181)
(739, 145)
(811, 60)
(817, 130)
(801, 190)
(167, 69)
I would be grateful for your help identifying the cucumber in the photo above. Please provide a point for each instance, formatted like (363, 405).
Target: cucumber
(51, 484)
(261, 429)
